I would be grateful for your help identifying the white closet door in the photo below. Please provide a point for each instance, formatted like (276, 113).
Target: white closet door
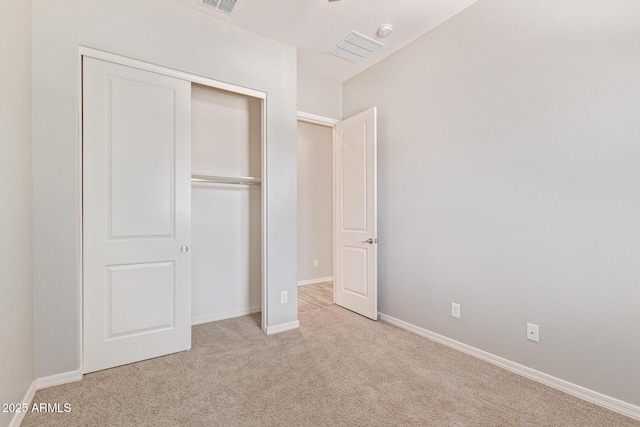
(136, 215)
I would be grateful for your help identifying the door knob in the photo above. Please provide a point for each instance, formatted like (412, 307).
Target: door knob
(370, 241)
(184, 249)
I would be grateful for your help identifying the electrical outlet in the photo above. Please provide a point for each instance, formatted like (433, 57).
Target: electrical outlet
(455, 310)
(533, 332)
(284, 297)
(315, 263)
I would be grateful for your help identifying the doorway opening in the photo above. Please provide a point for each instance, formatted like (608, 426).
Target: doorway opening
(315, 213)
(337, 208)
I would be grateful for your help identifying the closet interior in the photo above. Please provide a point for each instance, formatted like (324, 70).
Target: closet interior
(226, 207)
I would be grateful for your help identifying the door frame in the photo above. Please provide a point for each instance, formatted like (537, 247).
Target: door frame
(329, 122)
(193, 78)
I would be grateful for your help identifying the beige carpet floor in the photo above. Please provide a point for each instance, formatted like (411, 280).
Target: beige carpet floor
(338, 369)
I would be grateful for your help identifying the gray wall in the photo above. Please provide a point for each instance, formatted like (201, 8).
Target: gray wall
(16, 287)
(315, 201)
(168, 34)
(508, 182)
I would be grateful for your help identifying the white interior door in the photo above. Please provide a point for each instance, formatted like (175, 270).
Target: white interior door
(136, 215)
(356, 286)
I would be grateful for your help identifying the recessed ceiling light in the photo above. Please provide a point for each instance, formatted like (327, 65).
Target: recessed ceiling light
(385, 30)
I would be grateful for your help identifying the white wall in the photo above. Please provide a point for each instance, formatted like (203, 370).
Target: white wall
(164, 33)
(319, 95)
(315, 201)
(508, 182)
(16, 287)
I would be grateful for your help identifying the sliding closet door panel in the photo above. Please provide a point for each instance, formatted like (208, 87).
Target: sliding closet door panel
(226, 221)
(136, 215)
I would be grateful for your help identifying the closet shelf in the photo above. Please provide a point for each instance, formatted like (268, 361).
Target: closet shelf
(212, 179)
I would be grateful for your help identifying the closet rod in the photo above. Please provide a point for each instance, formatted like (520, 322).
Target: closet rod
(248, 180)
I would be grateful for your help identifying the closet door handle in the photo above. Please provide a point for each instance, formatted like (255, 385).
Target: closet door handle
(184, 249)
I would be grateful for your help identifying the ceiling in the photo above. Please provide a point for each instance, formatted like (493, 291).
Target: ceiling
(315, 26)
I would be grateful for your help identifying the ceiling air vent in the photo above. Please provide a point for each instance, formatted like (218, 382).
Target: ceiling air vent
(355, 47)
(225, 6)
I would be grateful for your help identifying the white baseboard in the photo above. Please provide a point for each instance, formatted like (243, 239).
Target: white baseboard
(314, 281)
(226, 315)
(27, 399)
(58, 379)
(282, 327)
(583, 393)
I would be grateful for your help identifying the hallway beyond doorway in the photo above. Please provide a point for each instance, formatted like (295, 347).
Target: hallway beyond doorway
(312, 297)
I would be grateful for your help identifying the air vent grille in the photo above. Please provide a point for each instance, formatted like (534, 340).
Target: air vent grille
(355, 47)
(225, 6)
